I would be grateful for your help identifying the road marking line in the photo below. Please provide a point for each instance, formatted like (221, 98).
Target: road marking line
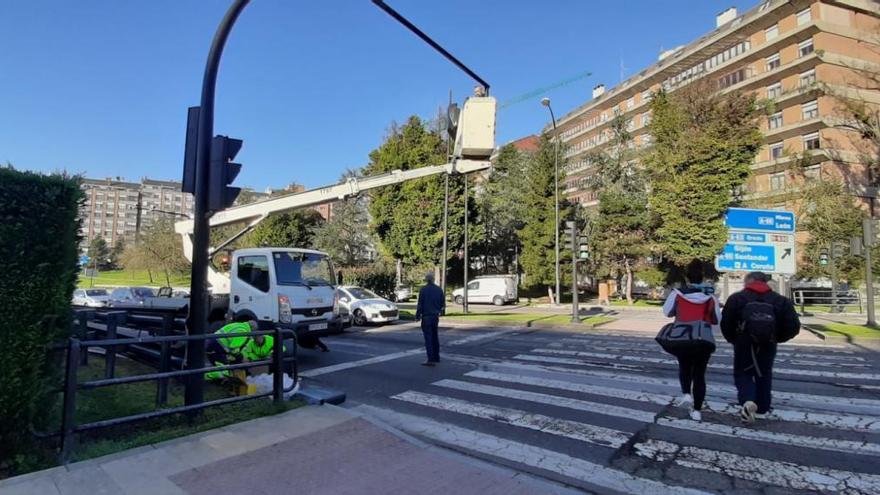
(560, 344)
(839, 421)
(555, 400)
(647, 339)
(361, 362)
(476, 338)
(597, 435)
(782, 371)
(529, 455)
(779, 473)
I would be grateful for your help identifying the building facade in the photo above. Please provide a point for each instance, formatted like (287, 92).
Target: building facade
(116, 209)
(796, 53)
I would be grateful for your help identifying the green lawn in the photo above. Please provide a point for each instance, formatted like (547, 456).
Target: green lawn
(637, 302)
(123, 400)
(131, 277)
(848, 330)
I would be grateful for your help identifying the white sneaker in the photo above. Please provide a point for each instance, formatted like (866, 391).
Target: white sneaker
(695, 415)
(747, 413)
(686, 400)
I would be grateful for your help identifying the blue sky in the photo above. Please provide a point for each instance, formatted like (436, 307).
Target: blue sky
(101, 87)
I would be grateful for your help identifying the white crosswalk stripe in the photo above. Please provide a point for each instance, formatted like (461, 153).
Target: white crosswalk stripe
(559, 391)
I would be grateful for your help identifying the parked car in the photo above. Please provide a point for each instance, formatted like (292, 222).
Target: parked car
(93, 298)
(129, 296)
(496, 289)
(365, 306)
(402, 293)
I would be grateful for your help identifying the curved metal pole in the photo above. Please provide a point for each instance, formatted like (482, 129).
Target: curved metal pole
(198, 307)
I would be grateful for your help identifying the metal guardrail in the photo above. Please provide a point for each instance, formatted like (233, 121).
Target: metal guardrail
(837, 303)
(77, 355)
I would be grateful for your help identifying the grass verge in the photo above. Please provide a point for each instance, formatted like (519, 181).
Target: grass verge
(642, 303)
(847, 330)
(123, 400)
(131, 277)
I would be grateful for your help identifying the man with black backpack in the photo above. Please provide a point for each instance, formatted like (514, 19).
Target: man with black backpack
(754, 320)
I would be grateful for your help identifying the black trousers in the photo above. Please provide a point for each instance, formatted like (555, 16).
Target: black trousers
(432, 341)
(754, 383)
(692, 376)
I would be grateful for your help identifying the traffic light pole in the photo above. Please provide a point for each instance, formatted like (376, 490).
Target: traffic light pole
(575, 311)
(868, 242)
(832, 254)
(197, 319)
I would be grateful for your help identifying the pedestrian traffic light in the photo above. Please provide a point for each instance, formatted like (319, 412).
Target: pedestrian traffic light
(570, 235)
(823, 257)
(223, 171)
(855, 246)
(583, 247)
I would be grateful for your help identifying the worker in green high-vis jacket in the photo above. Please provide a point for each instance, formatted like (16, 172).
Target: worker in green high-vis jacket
(236, 349)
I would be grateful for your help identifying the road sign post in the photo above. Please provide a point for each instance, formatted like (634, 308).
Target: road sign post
(868, 236)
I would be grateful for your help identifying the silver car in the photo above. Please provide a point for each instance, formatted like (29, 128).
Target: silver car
(92, 298)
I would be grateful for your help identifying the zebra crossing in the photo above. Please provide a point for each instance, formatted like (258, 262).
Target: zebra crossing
(596, 411)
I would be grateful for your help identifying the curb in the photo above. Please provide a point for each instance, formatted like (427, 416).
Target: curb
(526, 324)
(814, 331)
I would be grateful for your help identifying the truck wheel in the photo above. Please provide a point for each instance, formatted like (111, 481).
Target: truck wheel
(360, 319)
(459, 300)
(498, 301)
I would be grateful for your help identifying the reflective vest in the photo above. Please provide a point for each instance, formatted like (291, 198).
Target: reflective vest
(254, 352)
(234, 345)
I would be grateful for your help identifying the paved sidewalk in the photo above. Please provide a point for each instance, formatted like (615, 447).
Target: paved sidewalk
(314, 449)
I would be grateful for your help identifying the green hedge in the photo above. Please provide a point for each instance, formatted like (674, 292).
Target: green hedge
(379, 278)
(39, 234)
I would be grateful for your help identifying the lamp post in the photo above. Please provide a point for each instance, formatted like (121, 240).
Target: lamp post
(546, 102)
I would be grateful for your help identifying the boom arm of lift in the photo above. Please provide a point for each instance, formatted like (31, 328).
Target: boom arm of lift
(465, 160)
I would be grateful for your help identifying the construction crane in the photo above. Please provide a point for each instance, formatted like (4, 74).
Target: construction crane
(544, 90)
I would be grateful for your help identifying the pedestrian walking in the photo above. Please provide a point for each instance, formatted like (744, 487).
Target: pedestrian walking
(690, 337)
(431, 305)
(755, 320)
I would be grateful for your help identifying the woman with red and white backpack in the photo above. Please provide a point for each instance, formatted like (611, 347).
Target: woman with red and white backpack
(696, 311)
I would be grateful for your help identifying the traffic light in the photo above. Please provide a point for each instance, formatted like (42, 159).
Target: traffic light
(823, 257)
(855, 246)
(583, 247)
(570, 235)
(223, 171)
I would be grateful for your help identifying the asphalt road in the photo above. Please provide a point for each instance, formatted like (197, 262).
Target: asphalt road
(593, 410)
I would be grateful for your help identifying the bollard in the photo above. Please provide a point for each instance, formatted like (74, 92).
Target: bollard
(68, 419)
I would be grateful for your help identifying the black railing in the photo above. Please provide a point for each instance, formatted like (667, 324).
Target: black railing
(840, 302)
(77, 352)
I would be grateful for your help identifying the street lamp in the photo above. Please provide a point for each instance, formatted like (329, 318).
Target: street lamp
(546, 102)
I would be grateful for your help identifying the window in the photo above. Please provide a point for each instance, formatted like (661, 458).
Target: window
(474, 286)
(774, 90)
(309, 269)
(771, 32)
(807, 78)
(603, 117)
(776, 151)
(810, 110)
(813, 172)
(774, 120)
(254, 271)
(646, 119)
(773, 62)
(811, 141)
(732, 78)
(631, 102)
(804, 17)
(805, 47)
(646, 95)
(647, 139)
(777, 181)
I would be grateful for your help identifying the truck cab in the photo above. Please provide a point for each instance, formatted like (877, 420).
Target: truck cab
(288, 287)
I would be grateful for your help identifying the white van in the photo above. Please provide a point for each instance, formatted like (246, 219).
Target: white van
(495, 289)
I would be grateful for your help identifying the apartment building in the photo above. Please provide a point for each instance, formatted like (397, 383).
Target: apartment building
(116, 209)
(794, 52)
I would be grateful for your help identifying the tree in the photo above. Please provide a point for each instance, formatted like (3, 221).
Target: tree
(116, 253)
(99, 253)
(292, 229)
(704, 144)
(622, 229)
(346, 236)
(500, 205)
(408, 217)
(160, 250)
(829, 214)
(537, 232)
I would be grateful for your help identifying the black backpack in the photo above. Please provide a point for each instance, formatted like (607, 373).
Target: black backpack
(759, 321)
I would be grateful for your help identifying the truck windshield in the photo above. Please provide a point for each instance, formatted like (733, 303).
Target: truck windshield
(302, 269)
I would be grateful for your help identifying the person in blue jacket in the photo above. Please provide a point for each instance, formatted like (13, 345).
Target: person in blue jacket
(432, 304)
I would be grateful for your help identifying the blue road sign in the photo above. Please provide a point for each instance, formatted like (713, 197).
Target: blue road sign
(760, 220)
(84, 260)
(758, 240)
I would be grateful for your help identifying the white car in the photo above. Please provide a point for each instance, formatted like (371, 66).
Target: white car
(92, 298)
(364, 306)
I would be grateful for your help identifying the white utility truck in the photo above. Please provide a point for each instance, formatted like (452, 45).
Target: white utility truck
(496, 289)
(295, 288)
